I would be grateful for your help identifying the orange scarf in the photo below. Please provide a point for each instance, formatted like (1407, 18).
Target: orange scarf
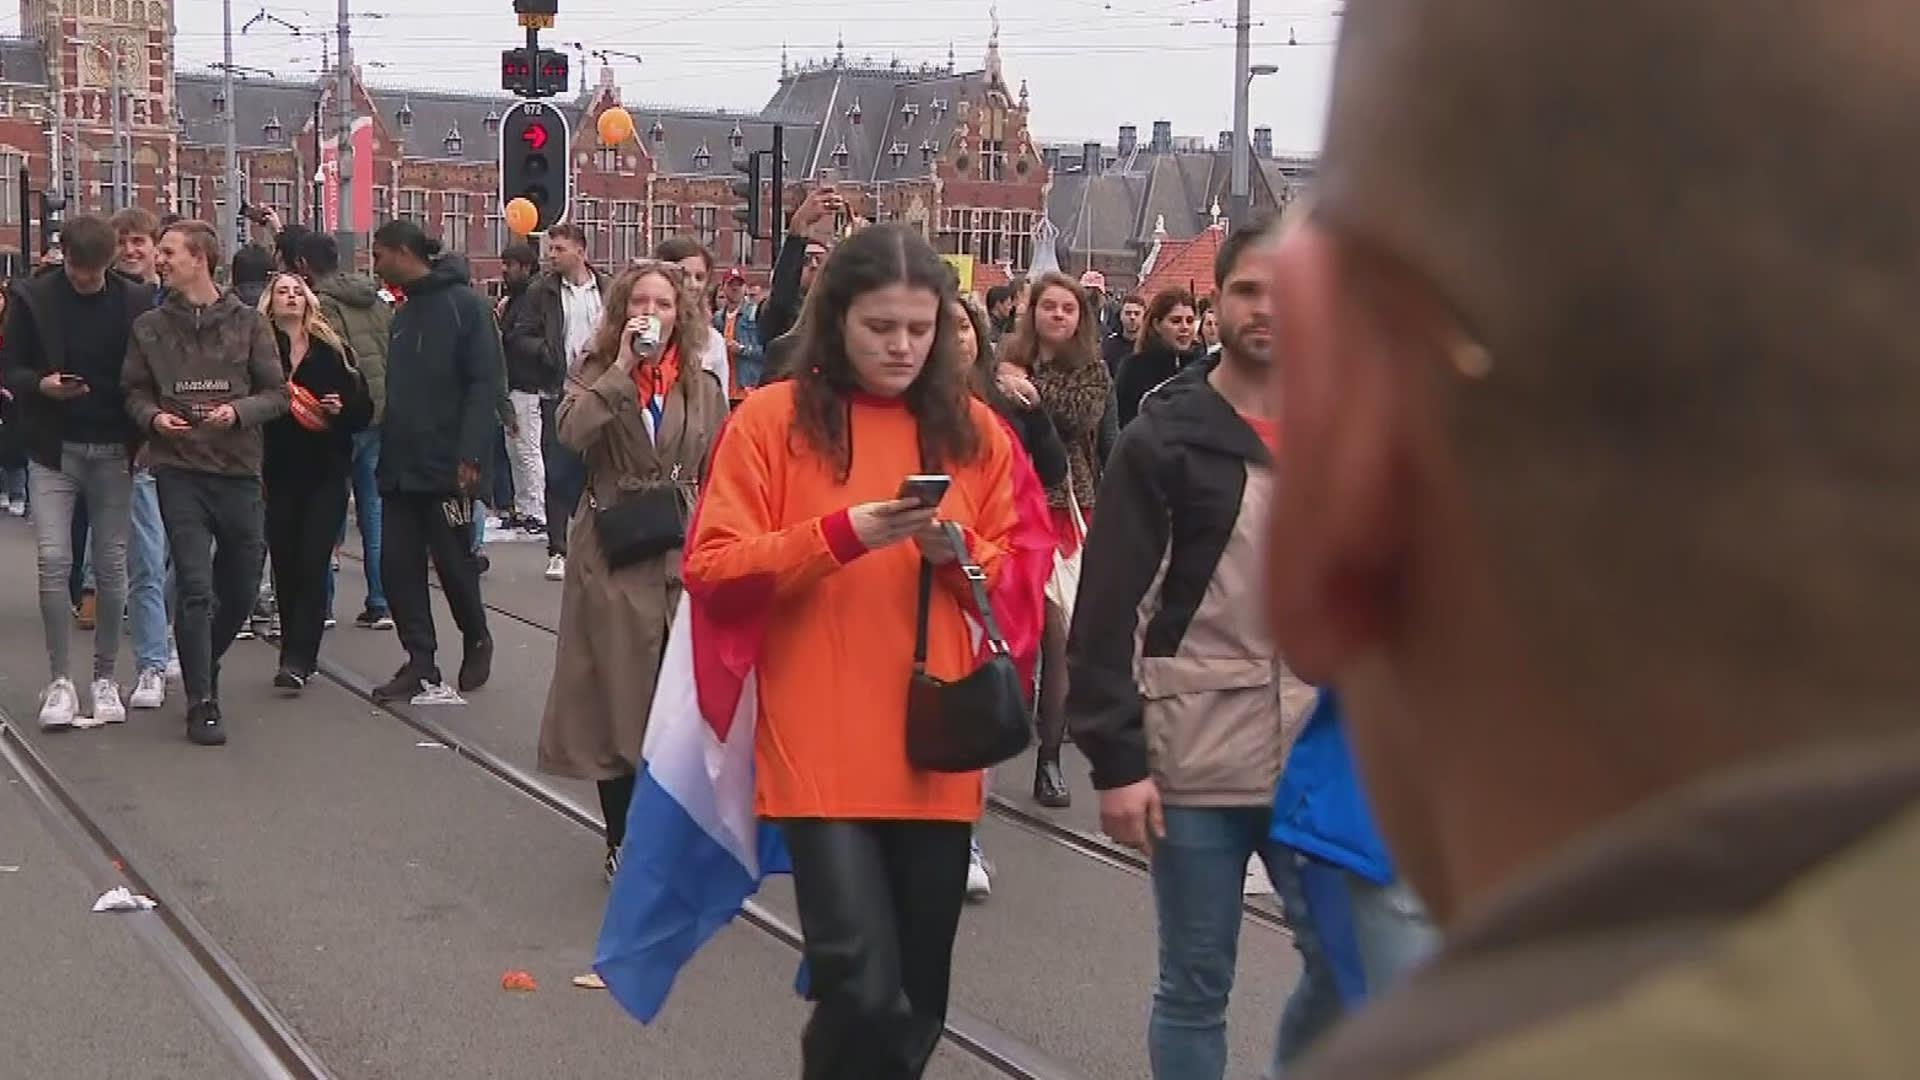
(656, 380)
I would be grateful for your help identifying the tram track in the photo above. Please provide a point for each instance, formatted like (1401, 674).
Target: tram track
(262, 1042)
(968, 1032)
(1087, 845)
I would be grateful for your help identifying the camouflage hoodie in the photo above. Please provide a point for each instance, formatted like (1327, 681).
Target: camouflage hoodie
(187, 360)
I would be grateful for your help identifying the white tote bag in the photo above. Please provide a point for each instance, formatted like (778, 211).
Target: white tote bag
(1064, 584)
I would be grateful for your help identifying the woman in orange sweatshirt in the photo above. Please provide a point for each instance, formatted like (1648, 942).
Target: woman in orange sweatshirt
(800, 525)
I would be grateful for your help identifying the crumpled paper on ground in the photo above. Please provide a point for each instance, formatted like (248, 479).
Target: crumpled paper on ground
(120, 898)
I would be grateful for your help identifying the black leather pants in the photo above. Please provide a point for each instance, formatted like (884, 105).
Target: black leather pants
(879, 904)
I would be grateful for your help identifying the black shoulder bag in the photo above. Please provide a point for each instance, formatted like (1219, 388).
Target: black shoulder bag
(979, 721)
(641, 525)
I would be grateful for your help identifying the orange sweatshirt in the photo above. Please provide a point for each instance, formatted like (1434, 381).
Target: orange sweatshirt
(837, 657)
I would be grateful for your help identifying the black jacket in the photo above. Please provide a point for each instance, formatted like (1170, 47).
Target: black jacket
(780, 311)
(444, 376)
(1181, 516)
(298, 460)
(31, 347)
(1037, 435)
(535, 332)
(1140, 372)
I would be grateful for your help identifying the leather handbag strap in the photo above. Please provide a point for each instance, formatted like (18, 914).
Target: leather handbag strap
(977, 578)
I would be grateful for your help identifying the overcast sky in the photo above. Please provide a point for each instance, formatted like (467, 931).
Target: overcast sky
(1091, 65)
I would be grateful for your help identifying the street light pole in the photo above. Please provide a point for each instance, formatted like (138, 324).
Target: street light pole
(1239, 201)
(230, 218)
(343, 157)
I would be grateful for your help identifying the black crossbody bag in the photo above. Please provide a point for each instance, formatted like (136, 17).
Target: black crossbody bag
(980, 720)
(641, 525)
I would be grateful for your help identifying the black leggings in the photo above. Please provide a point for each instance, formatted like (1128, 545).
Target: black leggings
(879, 904)
(616, 796)
(302, 523)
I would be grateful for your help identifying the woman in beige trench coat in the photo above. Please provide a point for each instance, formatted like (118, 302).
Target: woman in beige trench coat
(613, 623)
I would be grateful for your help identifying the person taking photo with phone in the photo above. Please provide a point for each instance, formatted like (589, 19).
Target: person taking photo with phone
(61, 350)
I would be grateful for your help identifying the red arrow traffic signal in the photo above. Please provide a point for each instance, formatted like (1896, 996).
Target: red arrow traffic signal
(535, 136)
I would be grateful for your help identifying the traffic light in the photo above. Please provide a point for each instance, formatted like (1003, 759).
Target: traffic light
(534, 162)
(746, 188)
(518, 67)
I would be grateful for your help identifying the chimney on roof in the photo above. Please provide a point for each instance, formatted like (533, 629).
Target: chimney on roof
(1051, 155)
(1263, 143)
(1226, 142)
(1129, 140)
(1162, 137)
(1090, 158)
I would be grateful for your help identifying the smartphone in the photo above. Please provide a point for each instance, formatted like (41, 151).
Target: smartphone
(928, 489)
(68, 378)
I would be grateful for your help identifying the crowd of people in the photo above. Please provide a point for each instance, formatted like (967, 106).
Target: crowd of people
(1593, 509)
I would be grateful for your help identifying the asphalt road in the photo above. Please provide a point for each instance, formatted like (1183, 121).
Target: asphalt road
(376, 889)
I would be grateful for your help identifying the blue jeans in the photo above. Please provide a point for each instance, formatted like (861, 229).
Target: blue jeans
(1382, 926)
(1199, 878)
(366, 512)
(13, 483)
(147, 577)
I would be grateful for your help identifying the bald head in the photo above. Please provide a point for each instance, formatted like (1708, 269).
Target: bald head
(1600, 362)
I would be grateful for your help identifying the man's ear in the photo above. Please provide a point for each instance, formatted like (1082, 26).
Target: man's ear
(1337, 534)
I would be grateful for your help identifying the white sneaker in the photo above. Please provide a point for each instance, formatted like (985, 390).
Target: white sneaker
(58, 704)
(106, 703)
(979, 882)
(173, 663)
(18, 509)
(437, 694)
(149, 691)
(556, 567)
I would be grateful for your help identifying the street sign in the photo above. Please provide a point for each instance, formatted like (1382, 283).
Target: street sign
(534, 162)
(536, 14)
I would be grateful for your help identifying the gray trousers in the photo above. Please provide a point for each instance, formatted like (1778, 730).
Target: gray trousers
(100, 475)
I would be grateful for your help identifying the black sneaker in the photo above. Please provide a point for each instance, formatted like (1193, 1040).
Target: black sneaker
(533, 528)
(401, 688)
(482, 563)
(612, 865)
(373, 620)
(290, 680)
(476, 667)
(203, 724)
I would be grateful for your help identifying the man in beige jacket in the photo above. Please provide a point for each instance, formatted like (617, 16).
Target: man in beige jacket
(1599, 359)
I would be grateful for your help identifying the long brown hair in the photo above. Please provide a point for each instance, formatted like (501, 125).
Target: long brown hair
(980, 366)
(689, 329)
(939, 399)
(1022, 347)
(1163, 304)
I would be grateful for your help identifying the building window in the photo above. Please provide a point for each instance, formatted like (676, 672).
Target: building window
(10, 164)
(1020, 226)
(413, 206)
(186, 197)
(607, 159)
(628, 243)
(666, 222)
(382, 206)
(591, 216)
(496, 225)
(706, 226)
(993, 160)
(277, 196)
(456, 220)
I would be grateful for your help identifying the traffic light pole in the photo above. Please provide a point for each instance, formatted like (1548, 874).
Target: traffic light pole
(777, 227)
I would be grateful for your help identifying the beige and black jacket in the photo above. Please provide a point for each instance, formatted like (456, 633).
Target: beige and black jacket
(1171, 673)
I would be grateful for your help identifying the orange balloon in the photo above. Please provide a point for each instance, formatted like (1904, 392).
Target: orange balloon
(616, 126)
(522, 216)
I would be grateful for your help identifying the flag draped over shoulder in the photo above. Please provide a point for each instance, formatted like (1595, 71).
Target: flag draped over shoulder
(694, 851)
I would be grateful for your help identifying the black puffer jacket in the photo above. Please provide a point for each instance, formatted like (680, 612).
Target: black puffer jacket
(444, 374)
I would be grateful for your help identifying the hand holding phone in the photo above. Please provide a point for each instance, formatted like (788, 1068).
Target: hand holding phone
(927, 489)
(63, 385)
